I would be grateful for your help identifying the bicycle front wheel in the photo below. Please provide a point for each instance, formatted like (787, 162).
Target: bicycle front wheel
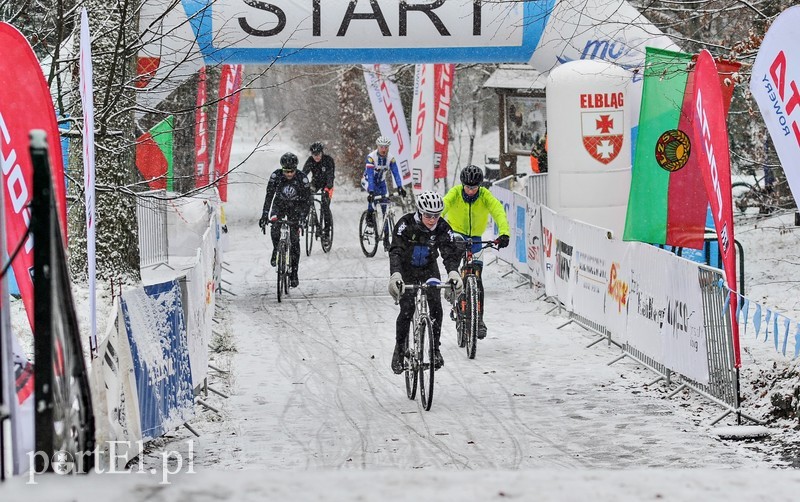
(410, 362)
(327, 230)
(425, 357)
(461, 320)
(368, 235)
(281, 270)
(473, 315)
(311, 228)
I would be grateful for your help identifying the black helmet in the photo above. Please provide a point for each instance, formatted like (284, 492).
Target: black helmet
(316, 147)
(289, 161)
(471, 176)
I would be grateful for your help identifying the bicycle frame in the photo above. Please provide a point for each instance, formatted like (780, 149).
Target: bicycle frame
(284, 263)
(467, 307)
(380, 222)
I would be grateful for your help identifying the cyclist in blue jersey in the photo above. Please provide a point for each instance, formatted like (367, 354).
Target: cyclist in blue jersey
(374, 181)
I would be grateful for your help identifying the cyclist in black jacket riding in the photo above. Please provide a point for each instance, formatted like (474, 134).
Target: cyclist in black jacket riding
(417, 240)
(323, 170)
(288, 194)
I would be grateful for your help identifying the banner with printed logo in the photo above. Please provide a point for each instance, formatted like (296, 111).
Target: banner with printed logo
(618, 288)
(518, 239)
(711, 137)
(775, 84)
(534, 243)
(87, 101)
(201, 156)
(388, 109)
(25, 104)
(592, 255)
(548, 254)
(230, 83)
(156, 330)
(647, 301)
(422, 131)
(683, 330)
(444, 75)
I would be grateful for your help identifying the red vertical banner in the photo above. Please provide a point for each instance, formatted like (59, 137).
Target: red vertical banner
(443, 93)
(25, 104)
(201, 133)
(230, 82)
(710, 139)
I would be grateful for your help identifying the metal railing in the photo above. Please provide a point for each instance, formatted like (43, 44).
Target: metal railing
(536, 188)
(151, 215)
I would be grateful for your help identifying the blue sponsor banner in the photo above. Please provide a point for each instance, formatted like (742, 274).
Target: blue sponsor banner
(386, 31)
(156, 330)
(521, 229)
(64, 126)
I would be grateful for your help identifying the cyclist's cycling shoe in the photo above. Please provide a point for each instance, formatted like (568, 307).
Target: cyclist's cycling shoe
(481, 330)
(274, 260)
(397, 360)
(294, 281)
(438, 360)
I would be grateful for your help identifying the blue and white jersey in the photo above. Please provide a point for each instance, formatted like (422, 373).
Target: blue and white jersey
(375, 172)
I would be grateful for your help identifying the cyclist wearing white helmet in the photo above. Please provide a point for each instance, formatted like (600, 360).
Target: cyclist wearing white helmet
(467, 208)
(417, 241)
(374, 180)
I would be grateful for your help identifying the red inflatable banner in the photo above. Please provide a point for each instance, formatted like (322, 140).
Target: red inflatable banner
(442, 96)
(711, 142)
(201, 133)
(25, 104)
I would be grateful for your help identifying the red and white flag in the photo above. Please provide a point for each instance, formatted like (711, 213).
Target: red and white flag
(230, 82)
(444, 75)
(201, 133)
(775, 85)
(385, 99)
(710, 140)
(422, 131)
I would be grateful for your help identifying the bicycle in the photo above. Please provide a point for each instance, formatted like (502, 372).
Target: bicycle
(284, 255)
(319, 226)
(419, 353)
(467, 308)
(379, 229)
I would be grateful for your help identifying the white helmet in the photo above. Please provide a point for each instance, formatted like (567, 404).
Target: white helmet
(430, 202)
(383, 141)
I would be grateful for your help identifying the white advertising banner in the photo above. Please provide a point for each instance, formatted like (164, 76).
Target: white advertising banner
(774, 84)
(506, 197)
(385, 99)
(534, 243)
(647, 301)
(683, 330)
(87, 100)
(422, 129)
(564, 259)
(548, 256)
(591, 255)
(618, 288)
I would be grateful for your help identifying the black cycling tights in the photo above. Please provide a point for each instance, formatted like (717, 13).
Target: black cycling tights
(407, 314)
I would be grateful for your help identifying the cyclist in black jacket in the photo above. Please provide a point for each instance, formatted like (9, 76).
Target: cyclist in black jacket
(288, 194)
(322, 169)
(417, 240)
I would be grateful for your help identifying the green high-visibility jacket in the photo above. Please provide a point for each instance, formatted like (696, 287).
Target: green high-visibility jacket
(472, 219)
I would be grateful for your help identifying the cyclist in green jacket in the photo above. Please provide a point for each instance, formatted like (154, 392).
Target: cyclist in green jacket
(467, 208)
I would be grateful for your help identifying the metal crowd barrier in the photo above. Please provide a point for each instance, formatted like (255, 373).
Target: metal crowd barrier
(536, 188)
(151, 215)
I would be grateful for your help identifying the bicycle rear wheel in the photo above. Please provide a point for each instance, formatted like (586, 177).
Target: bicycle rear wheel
(426, 359)
(368, 235)
(327, 230)
(311, 228)
(472, 315)
(411, 374)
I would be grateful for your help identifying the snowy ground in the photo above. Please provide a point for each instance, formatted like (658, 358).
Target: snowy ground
(316, 414)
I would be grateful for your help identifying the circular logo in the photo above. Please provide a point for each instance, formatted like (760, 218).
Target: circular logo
(672, 150)
(62, 462)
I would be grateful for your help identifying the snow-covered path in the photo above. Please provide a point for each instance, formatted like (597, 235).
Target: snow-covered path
(313, 389)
